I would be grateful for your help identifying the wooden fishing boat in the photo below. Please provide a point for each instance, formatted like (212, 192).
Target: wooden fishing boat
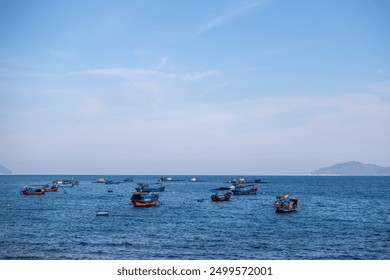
(245, 181)
(143, 187)
(66, 183)
(111, 182)
(286, 203)
(70, 182)
(221, 194)
(33, 190)
(244, 189)
(53, 188)
(165, 179)
(144, 199)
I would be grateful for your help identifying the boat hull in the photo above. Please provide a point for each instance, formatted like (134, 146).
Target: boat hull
(37, 192)
(140, 203)
(217, 198)
(283, 210)
(51, 189)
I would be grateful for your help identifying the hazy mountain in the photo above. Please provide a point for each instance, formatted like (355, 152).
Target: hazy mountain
(353, 168)
(4, 170)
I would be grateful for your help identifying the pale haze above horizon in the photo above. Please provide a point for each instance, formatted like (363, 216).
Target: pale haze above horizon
(193, 87)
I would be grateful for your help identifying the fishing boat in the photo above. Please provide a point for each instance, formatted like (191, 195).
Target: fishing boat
(111, 182)
(144, 199)
(237, 181)
(259, 181)
(193, 180)
(165, 179)
(53, 188)
(100, 181)
(66, 183)
(143, 187)
(286, 203)
(33, 189)
(245, 181)
(70, 182)
(244, 189)
(221, 194)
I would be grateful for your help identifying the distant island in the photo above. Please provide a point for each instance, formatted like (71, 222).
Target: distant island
(4, 170)
(353, 168)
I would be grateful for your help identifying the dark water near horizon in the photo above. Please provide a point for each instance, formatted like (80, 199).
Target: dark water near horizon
(338, 218)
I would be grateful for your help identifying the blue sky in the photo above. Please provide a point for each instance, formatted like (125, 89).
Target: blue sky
(193, 87)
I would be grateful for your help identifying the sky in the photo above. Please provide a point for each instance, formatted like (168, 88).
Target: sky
(267, 87)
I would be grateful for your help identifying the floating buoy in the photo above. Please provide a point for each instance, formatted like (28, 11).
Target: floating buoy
(102, 212)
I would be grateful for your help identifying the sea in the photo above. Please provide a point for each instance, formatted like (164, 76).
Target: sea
(338, 218)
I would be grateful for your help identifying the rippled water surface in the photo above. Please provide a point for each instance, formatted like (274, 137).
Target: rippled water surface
(338, 218)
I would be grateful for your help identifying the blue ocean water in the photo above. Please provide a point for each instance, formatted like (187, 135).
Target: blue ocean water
(338, 218)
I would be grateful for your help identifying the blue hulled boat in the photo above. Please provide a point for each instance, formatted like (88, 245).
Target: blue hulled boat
(244, 190)
(143, 187)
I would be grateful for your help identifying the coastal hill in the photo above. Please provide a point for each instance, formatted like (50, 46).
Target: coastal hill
(353, 168)
(4, 170)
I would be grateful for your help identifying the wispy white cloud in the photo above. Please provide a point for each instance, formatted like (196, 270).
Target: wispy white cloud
(229, 15)
(134, 73)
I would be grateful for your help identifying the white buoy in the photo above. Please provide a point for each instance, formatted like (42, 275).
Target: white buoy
(102, 212)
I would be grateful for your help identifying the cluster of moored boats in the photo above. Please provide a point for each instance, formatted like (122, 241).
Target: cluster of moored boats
(146, 194)
(39, 189)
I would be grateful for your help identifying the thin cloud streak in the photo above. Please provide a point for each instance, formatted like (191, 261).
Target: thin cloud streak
(131, 73)
(231, 15)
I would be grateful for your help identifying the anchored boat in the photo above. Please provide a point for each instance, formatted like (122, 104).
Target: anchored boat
(33, 190)
(53, 188)
(221, 194)
(143, 187)
(286, 203)
(244, 189)
(144, 199)
(66, 183)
